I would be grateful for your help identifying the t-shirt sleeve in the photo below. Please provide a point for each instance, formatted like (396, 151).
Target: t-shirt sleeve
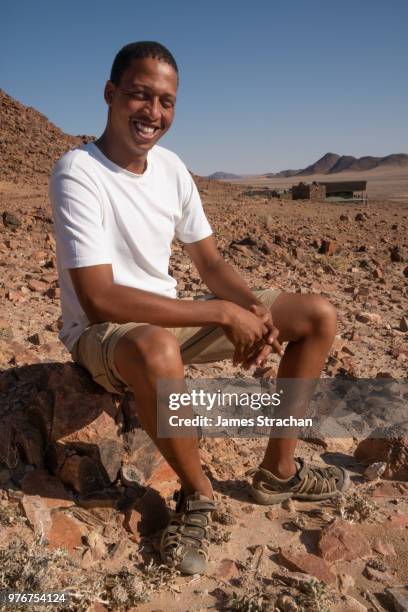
(77, 215)
(193, 224)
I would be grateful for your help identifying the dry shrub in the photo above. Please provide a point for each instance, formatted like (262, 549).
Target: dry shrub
(355, 508)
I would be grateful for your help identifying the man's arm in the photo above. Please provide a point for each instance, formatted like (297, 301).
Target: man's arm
(219, 276)
(224, 282)
(103, 300)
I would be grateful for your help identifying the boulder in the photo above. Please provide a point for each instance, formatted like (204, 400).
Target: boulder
(57, 418)
(391, 448)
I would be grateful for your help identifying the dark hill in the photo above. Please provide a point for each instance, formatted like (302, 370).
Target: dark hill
(223, 176)
(29, 143)
(322, 165)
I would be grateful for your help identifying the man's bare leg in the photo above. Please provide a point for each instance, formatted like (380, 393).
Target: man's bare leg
(143, 356)
(308, 324)
(148, 353)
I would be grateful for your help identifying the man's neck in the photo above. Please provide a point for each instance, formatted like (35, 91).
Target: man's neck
(110, 150)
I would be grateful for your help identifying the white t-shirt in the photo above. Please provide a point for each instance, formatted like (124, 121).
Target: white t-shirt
(104, 214)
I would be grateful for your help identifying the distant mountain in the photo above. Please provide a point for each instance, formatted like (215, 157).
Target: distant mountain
(282, 174)
(322, 165)
(223, 176)
(331, 163)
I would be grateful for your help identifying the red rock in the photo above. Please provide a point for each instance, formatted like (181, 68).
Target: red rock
(307, 563)
(342, 541)
(227, 569)
(327, 247)
(147, 459)
(37, 338)
(384, 548)
(271, 515)
(37, 285)
(385, 489)
(132, 522)
(82, 474)
(369, 318)
(392, 448)
(39, 255)
(398, 520)
(15, 296)
(84, 420)
(65, 532)
(48, 487)
(162, 473)
(53, 292)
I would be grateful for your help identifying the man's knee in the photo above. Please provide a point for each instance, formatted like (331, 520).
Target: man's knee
(154, 349)
(323, 314)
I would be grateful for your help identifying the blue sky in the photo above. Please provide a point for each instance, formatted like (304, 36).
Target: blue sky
(265, 85)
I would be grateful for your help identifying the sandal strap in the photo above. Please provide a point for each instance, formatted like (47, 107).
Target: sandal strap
(308, 480)
(201, 505)
(188, 527)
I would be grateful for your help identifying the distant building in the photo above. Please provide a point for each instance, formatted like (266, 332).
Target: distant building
(264, 192)
(338, 190)
(308, 191)
(348, 190)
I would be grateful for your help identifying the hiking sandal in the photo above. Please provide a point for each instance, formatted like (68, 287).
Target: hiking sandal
(183, 544)
(310, 483)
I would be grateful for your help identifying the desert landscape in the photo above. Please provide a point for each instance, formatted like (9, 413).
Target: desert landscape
(83, 491)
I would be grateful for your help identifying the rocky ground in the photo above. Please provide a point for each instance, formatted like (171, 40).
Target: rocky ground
(76, 475)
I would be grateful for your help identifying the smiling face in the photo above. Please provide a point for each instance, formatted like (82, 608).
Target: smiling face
(141, 106)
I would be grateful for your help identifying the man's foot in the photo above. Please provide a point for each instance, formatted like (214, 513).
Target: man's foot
(310, 483)
(183, 542)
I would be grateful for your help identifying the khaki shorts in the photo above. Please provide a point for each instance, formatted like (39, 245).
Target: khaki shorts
(95, 348)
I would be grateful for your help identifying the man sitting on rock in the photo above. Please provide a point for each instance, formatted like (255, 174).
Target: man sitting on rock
(117, 203)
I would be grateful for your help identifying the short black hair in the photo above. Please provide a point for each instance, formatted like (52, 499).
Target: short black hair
(139, 50)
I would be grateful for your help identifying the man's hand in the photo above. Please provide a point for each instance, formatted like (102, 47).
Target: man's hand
(245, 329)
(260, 352)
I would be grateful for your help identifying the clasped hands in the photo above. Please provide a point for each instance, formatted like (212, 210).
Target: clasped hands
(252, 333)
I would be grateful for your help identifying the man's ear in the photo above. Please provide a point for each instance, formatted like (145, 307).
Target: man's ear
(108, 92)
